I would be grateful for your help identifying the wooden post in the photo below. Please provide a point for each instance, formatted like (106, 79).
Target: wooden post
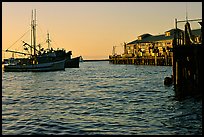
(155, 59)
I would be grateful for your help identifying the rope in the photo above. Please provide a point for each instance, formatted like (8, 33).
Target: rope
(19, 39)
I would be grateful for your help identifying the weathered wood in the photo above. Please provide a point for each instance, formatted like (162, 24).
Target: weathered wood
(188, 70)
(160, 61)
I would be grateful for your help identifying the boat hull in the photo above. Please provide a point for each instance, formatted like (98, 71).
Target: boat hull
(44, 67)
(72, 63)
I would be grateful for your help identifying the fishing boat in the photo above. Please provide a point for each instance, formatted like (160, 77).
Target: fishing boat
(59, 54)
(72, 63)
(43, 67)
(33, 62)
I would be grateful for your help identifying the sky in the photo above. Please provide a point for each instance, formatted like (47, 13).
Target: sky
(90, 29)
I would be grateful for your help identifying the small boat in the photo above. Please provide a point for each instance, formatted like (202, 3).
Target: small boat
(43, 67)
(33, 62)
(72, 63)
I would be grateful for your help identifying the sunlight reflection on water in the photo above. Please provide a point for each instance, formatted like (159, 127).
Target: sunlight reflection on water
(97, 98)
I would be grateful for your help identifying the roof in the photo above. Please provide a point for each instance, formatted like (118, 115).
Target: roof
(146, 38)
(157, 38)
(152, 38)
(145, 35)
(196, 32)
(173, 30)
(132, 42)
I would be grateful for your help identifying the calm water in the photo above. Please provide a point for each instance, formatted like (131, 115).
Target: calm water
(97, 98)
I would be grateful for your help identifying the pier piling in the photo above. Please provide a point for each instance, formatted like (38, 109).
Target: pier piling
(187, 64)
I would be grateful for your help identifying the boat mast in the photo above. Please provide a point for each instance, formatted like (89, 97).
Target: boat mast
(34, 36)
(31, 33)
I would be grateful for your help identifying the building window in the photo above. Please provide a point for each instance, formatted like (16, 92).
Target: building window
(167, 34)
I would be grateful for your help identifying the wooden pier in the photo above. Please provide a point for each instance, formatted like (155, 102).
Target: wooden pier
(188, 70)
(158, 61)
(188, 62)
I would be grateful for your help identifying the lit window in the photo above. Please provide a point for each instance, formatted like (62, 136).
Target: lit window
(167, 33)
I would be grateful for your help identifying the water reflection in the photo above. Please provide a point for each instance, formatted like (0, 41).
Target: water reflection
(98, 98)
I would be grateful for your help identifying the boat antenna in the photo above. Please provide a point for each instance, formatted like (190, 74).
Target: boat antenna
(48, 40)
(113, 52)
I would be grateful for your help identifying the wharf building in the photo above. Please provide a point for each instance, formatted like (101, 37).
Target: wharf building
(150, 49)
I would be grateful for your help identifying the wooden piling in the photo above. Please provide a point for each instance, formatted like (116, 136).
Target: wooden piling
(188, 70)
(151, 60)
(187, 63)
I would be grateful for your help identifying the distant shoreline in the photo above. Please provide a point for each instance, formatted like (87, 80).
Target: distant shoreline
(87, 60)
(92, 60)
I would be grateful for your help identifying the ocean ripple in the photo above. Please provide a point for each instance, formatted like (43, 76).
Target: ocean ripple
(97, 99)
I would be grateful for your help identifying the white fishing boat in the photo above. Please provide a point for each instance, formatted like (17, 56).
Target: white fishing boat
(32, 63)
(43, 67)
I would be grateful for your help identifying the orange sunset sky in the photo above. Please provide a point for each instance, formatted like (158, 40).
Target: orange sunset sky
(91, 29)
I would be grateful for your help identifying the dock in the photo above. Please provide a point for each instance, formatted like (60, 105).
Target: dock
(188, 55)
(181, 49)
(158, 61)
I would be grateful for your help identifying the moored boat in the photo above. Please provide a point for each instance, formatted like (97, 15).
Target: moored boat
(72, 63)
(32, 63)
(43, 67)
(59, 54)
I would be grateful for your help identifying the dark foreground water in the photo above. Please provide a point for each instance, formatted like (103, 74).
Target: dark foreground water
(97, 98)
